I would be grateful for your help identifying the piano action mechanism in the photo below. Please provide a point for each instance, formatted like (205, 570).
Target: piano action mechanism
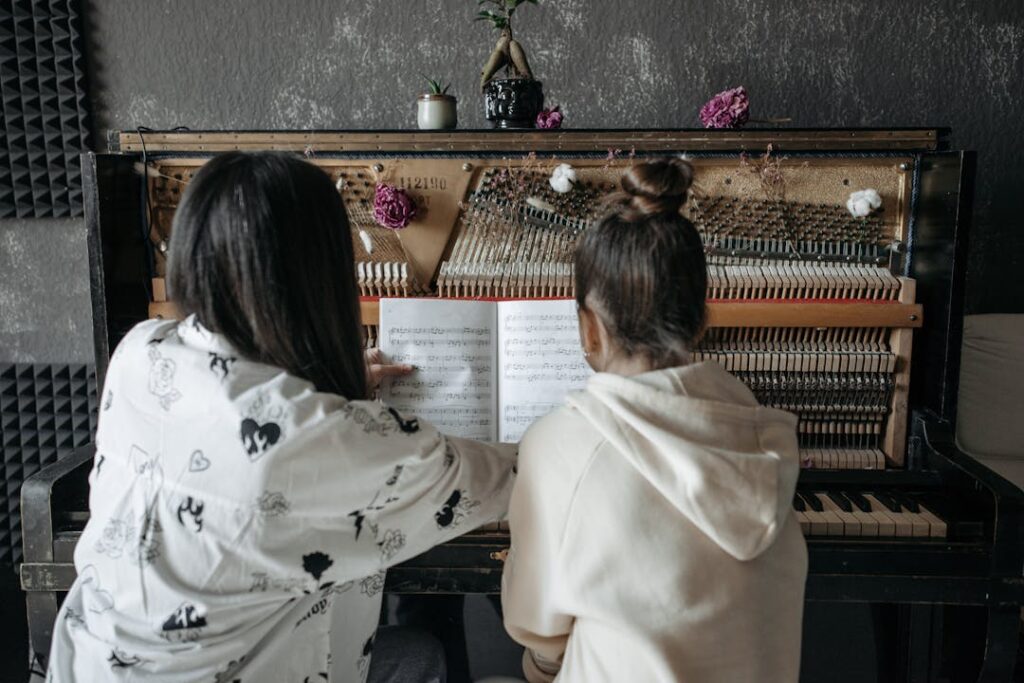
(851, 323)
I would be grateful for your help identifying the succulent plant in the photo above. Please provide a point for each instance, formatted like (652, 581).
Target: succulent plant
(508, 52)
(435, 86)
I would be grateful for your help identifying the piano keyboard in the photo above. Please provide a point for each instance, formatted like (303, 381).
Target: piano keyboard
(873, 515)
(850, 513)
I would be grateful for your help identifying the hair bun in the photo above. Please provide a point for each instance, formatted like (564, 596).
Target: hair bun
(656, 187)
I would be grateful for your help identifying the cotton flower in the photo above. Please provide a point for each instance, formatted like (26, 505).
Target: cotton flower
(863, 202)
(563, 178)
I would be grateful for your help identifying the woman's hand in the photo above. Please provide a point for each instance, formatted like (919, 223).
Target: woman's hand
(377, 369)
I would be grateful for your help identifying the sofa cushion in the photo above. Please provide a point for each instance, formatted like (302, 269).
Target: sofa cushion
(990, 419)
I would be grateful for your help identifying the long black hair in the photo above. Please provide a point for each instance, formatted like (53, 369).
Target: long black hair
(642, 267)
(261, 253)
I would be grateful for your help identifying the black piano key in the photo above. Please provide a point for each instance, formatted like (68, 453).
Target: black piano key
(907, 502)
(798, 503)
(840, 500)
(814, 502)
(891, 503)
(862, 503)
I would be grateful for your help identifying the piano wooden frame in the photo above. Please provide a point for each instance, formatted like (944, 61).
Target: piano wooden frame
(937, 198)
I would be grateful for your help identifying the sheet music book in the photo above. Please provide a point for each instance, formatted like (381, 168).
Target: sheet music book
(485, 369)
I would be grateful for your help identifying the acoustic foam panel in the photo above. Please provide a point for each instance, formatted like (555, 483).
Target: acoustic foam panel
(46, 411)
(43, 107)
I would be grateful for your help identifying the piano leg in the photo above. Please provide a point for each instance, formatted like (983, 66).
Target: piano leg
(922, 648)
(1001, 642)
(919, 627)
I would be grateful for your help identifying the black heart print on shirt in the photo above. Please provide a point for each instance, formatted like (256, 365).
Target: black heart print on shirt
(258, 438)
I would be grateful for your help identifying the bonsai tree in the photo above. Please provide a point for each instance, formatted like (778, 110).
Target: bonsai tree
(508, 52)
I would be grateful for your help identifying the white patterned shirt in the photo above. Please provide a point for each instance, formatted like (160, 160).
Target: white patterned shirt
(241, 522)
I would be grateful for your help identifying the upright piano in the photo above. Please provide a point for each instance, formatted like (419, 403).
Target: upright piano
(851, 322)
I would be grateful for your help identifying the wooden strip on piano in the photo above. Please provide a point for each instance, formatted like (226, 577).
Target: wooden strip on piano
(903, 315)
(894, 443)
(725, 314)
(163, 309)
(783, 140)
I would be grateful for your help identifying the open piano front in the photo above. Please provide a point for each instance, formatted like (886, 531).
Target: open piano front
(851, 323)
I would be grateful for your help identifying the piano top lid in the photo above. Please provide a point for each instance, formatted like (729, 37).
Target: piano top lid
(469, 141)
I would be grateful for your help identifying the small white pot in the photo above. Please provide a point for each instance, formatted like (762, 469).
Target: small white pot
(436, 112)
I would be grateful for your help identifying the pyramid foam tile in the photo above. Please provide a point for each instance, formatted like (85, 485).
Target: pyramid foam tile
(45, 106)
(51, 411)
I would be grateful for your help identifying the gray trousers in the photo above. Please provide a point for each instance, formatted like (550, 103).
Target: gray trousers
(405, 654)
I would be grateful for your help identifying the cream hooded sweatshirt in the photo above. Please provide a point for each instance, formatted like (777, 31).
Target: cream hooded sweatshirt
(653, 537)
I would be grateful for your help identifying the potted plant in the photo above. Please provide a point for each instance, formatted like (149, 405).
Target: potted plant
(436, 109)
(513, 101)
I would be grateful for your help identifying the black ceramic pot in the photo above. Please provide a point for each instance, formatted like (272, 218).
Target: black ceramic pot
(513, 102)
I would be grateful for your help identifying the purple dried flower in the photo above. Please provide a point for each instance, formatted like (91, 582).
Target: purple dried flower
(550, 118)
(393, 208)
(727, 109)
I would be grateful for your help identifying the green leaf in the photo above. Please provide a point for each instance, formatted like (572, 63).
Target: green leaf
(496, 19)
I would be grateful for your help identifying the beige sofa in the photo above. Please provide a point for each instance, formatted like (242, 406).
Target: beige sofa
(990, 418)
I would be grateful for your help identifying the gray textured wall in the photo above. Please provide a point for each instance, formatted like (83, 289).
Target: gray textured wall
(346, 64)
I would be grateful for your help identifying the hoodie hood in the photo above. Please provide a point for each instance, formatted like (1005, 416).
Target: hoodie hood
(698, 435)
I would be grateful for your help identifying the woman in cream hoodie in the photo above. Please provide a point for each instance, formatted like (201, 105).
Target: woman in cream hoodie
(652, 532)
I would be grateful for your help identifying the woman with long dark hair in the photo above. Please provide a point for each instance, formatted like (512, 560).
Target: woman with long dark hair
(245, 495)
(653, 537)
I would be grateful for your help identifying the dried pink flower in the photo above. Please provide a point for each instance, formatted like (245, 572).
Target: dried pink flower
(393, 208)
(727, 109)
(550, 118)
